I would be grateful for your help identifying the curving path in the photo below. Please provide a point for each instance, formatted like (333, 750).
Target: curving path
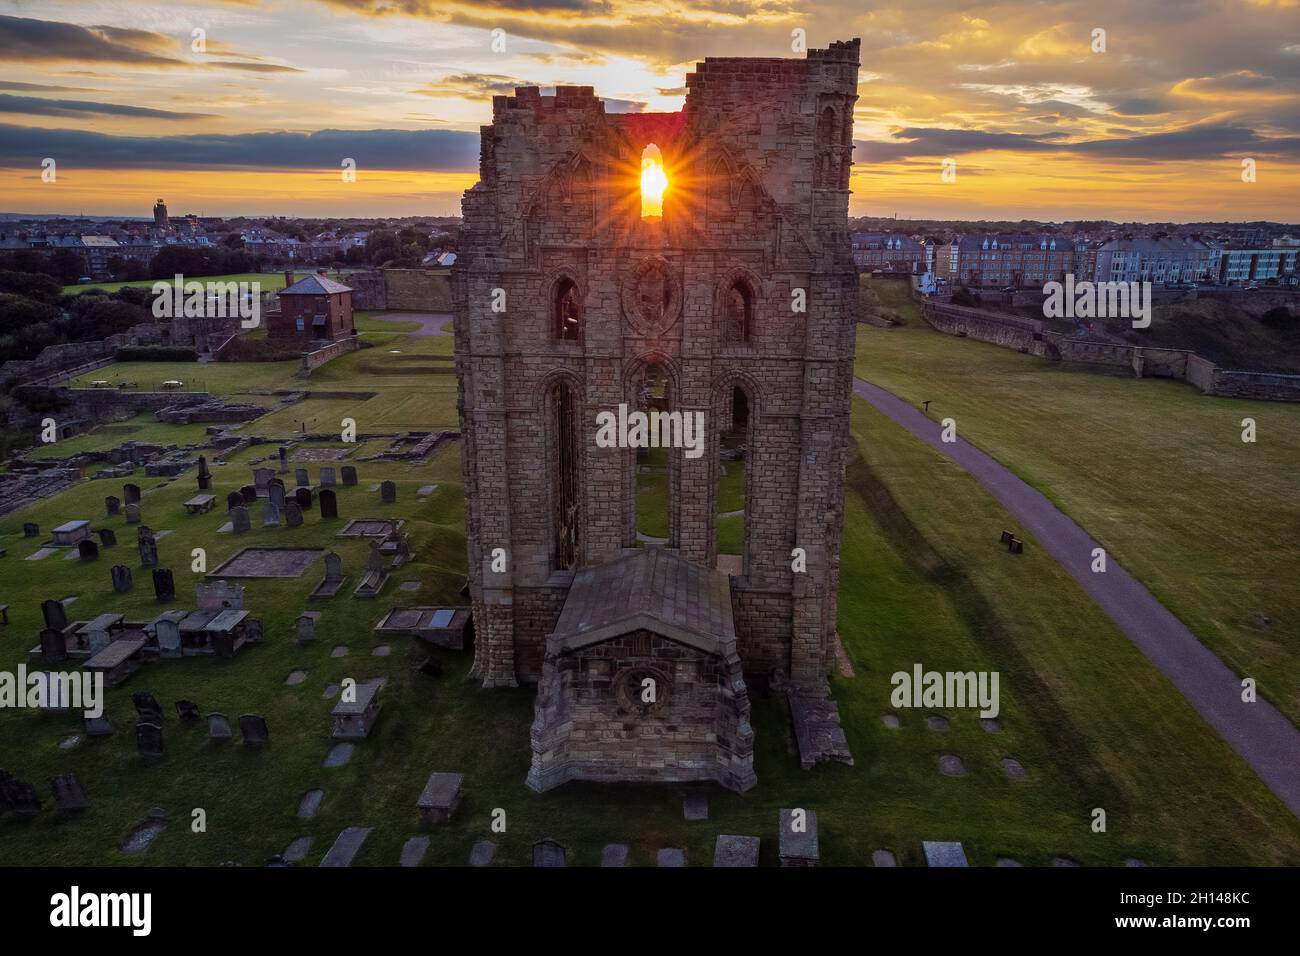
(1262, 735)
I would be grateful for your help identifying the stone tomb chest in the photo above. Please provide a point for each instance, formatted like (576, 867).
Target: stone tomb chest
(354, 719)
(69, 533)
(641, 680)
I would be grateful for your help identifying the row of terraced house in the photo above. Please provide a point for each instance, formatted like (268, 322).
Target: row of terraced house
(998, 260)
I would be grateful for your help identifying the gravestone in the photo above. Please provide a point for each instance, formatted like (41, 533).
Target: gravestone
(147, 708)
(31, 529)
(187, 710)
(944, 853)
(253, 630)
(270, 515)
(87, 550)
(107, 538)
(69, 797)
(254, 729)
(292, 514)
(329, 507)
(112, 505)
(250, 493)
(219, 596)
(132, 513)
(735, 851)
(205, 476)
(239, 520)
(482, 852)
(307, 626)
(168, 632)
(549, 853)
(277, 494)
(349, 473)
(797, 843)
(614, 854)
(388, 492)
(131, 493)
(164, 587)
(262, 479)
(55, 614)
(333, 580)
(283, 454)
(327, 477)
(148, 549)
(302, 496)
(218, 727)
(99, 726)
(233, 501)
(18, 796)
(149, 741)
(54, 648)
(122, 581)
(302, 477)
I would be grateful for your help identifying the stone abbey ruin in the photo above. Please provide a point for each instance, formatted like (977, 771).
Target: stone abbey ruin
(735, 299)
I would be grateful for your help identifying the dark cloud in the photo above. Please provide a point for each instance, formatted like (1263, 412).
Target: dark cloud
(37, 106)
(44, 88)
(1209, 141)
(471, 85)
(431, 150)
(25, 39)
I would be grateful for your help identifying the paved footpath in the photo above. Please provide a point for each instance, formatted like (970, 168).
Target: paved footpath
(1264, 737)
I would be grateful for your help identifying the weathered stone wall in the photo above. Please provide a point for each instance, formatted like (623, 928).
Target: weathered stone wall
(603, 729)
(315, 359)
(765, 146)
(417, 290)
(1259, 385)
(1008, 331)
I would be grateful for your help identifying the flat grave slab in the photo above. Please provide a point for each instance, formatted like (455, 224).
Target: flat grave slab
(267, 563)
(345, 848)
(614, 854)
(736, 851)
(943, 853)
(296, 851)
(482, 852)
(413, 851)
(369, 528)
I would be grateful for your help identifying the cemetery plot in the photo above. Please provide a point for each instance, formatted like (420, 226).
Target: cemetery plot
(369, 528)
(268, 563)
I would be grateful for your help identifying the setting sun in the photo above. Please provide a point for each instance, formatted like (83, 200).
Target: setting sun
(654, 181)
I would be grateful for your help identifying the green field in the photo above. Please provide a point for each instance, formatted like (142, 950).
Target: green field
(269, 281)
(1082, 710)
(1156, 472)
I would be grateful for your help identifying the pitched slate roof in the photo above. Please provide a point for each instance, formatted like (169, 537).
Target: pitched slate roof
(315, 285)
(651, 589)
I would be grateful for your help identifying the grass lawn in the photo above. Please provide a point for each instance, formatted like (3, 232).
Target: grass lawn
(269, 281)
(1152, 469)
(1091, 728)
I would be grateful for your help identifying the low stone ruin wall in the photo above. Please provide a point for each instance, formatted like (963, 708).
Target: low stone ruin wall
(314, 360)
(417, 290)
(1261, 385)
(1008, 331)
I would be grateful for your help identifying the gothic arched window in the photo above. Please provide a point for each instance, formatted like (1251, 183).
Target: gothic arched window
(566, 320)
(738, 314)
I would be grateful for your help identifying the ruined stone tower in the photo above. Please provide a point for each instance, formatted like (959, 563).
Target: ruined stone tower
(737, 301)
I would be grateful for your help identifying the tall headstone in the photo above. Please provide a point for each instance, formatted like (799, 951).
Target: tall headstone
(122, 582)
(277, 493)
(270, 515)
(327, 477)
(55, 614)
(87, 550)
(302, 477)
(148, 550)
(349, 473)
(112, 505)
(250, 493)
(233, 501)
(292, 514)
(164, 586)
(131, 493)
(239, 519)
(132, 514)
(284, 460)
(262, 479)
(149, 741)
(254, 729)
(54, 647)
(302, 495)
(107, 538)
(31, 529)
(388, 492)
(329, 507)
(205, 476)
(168, 632)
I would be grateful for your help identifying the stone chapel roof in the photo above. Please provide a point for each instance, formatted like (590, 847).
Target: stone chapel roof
(651, 589)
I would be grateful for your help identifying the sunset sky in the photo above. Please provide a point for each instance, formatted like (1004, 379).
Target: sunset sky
(258, 121)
